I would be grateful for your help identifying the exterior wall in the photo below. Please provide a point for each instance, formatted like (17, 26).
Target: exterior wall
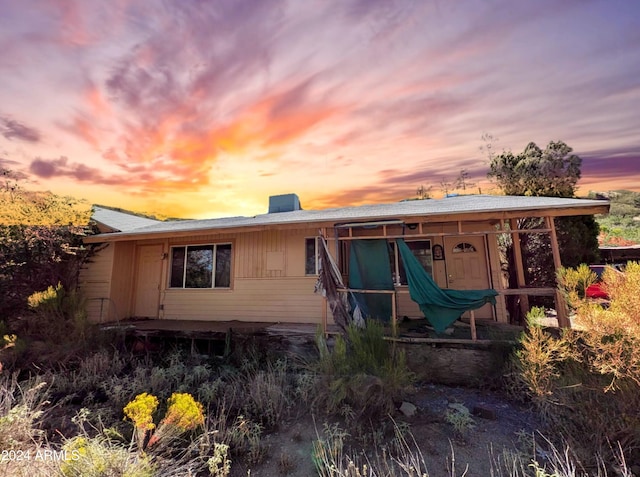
(95, 285)
(105, 282)
(252, 299)
(268, 281)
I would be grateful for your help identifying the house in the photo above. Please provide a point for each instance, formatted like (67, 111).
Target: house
(264, 268)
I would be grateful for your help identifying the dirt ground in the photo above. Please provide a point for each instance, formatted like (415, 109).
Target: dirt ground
(500, 425)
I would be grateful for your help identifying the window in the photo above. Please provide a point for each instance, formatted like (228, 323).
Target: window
(311, 256)
(201, 266)
(422, 251)
(464, 247)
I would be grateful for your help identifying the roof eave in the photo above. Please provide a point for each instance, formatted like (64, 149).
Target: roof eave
(487, 214)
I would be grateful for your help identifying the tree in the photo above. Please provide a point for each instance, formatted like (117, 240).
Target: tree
(446, 186)
(424, 192)
(40, 242)
(463, 180)
(552, 172)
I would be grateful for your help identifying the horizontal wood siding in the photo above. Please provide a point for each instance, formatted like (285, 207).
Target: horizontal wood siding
(289, 300)
(95, 285)
(252, 251)
(406, 306)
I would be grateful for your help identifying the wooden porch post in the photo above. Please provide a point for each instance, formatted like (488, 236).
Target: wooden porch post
(394, 315)
(561, 306)
(472, 322)
(517, 255)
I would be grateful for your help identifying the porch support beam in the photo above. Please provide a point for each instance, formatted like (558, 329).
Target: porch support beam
(440, 234)
(561, 306)
(517, 255)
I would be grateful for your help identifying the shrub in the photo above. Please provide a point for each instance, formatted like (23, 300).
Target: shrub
(101, 457)
(364, 372)
(267, 394)
(219, 464)
(573, 282)
(140, 411)
(458, 415)
(586, 383)
(183, 414)
(21, 409)
(241, 435)
(61, 314)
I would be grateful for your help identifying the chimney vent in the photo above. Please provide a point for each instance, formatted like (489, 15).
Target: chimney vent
(284, 203)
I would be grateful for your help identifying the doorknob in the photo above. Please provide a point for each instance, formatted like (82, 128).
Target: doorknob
(451, 280)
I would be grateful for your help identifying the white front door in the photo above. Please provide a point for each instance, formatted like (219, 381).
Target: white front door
(148, 276)
(466, 264)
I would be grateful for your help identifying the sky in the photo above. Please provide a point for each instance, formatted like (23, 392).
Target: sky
(204, 109)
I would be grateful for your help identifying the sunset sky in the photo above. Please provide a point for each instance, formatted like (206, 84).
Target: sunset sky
(205, 108)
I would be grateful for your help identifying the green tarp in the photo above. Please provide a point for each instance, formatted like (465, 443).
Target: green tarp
(370, 269)
(440, 306)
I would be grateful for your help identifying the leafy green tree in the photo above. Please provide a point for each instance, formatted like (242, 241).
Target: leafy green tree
(40, 243)
(552, 172)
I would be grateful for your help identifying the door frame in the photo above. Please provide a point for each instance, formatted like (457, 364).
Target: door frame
(452, 239)
(138, 264)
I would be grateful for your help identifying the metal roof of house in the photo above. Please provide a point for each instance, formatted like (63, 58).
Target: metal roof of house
(120, 221)
(467, 205)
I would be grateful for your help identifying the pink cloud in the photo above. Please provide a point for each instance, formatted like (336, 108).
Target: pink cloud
(12, 129)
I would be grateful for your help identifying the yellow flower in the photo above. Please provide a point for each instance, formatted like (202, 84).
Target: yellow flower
(184, 412)
(141, 410)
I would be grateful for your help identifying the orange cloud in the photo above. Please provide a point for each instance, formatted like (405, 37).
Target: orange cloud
(175, 151)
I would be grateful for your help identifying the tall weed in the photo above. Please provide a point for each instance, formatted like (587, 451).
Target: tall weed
(364, 372)
(61, 315)
(22, 407)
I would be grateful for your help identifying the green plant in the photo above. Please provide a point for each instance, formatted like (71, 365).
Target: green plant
(102, 457)
(458, 415)
(61, 314)
(219, 464)
(327, 453)
(363, 371)
(573, 282)
(538, 361)
(586, 382)
(246, 437)
(267, 394)
(21, 409)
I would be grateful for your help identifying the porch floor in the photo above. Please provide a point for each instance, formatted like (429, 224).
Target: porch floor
(409, 330)
(209, 329)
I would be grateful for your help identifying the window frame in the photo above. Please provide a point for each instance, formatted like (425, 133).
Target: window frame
(316, 257)
(213, 265)
(464, 247)
(396, 260)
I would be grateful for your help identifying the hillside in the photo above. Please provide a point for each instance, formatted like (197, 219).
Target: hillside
(622, 225)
